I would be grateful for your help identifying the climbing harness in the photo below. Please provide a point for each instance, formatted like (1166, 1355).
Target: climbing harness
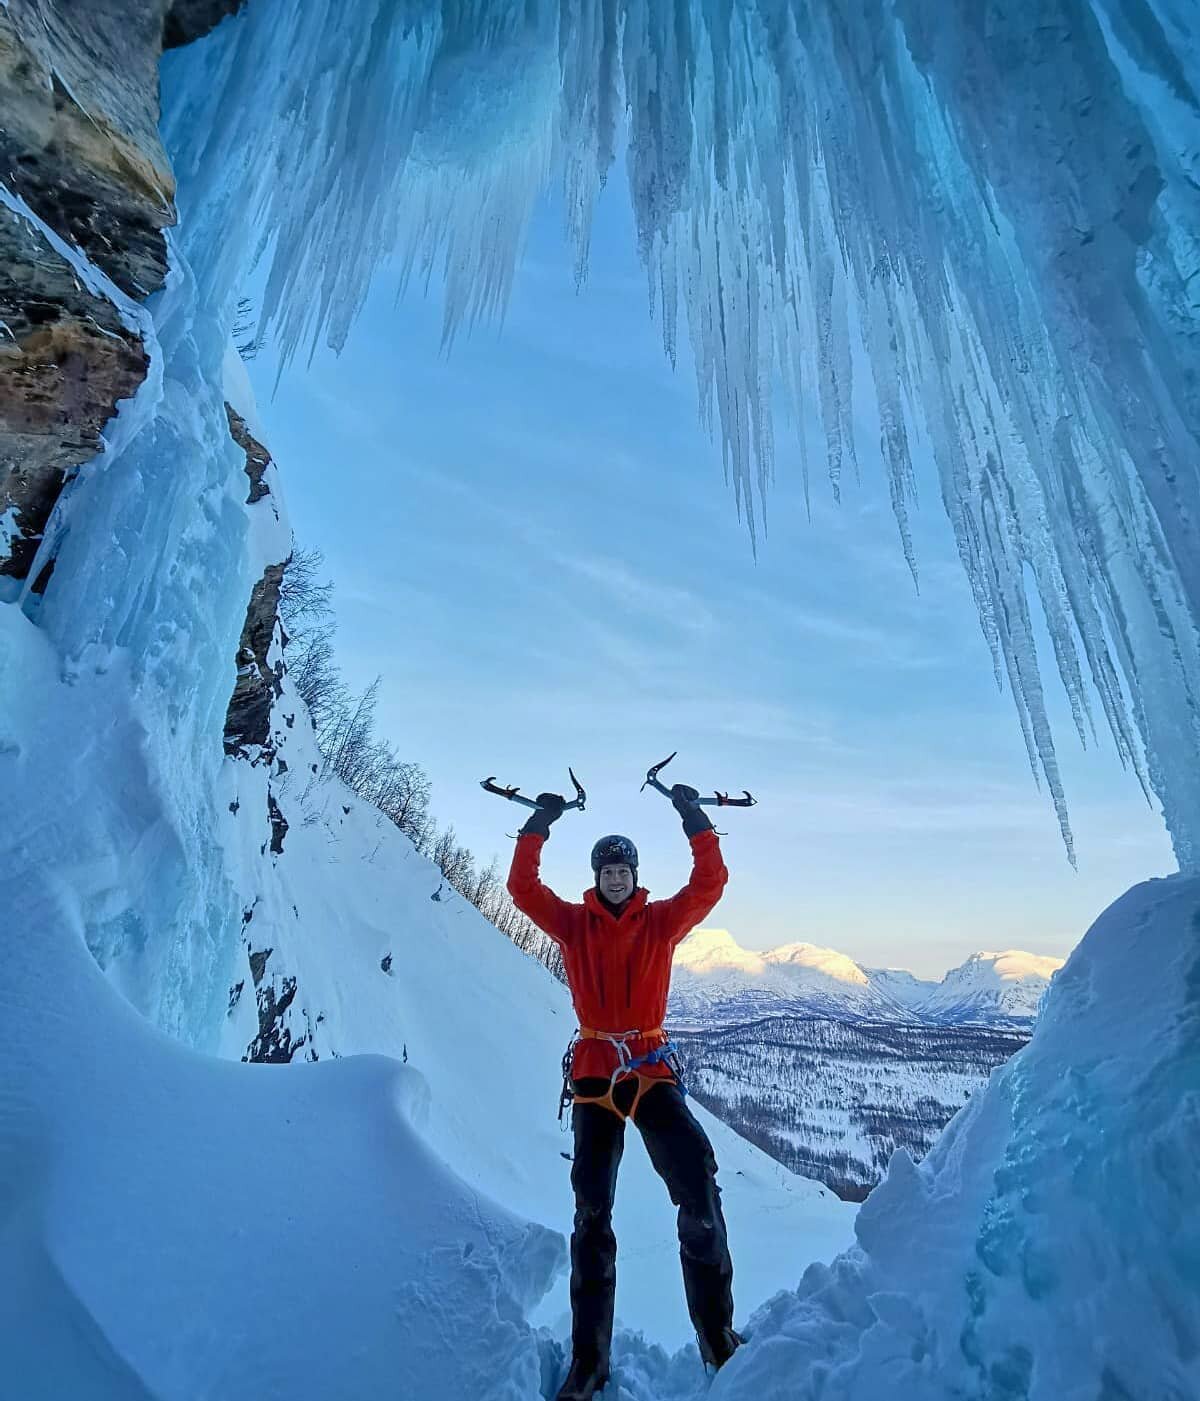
(718, 800)
(667, 1053)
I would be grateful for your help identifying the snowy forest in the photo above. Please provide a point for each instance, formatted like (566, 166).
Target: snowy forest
(277, 1102)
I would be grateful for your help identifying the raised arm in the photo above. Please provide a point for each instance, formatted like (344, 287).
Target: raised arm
(548, 911)
(683, 911)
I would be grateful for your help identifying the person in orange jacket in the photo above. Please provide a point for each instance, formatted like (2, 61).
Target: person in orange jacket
(617, 950)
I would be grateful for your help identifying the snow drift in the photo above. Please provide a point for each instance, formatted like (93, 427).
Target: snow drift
(174, 1226)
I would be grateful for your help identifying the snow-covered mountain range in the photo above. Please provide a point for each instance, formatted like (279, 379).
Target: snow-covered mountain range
(831, 1066)
(717, 981)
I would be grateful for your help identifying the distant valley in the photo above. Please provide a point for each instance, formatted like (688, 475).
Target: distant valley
(831, 1066)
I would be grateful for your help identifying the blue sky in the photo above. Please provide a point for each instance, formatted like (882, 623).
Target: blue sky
(533, 543)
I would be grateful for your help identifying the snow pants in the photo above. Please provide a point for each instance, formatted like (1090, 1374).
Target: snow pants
(683, 1157)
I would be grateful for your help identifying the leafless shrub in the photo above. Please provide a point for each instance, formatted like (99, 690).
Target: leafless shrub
(345, 725)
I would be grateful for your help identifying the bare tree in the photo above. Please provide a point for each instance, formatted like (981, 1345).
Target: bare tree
(403, 794)
(305, 600)
(348, 740)
(346, 735)
(455, 862)
(315, 677)
(306, 612)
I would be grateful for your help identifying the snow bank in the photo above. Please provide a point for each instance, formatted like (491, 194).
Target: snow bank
(1048, 1248)
(173, 1226)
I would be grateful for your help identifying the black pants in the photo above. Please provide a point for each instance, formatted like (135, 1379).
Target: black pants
(683, 1158)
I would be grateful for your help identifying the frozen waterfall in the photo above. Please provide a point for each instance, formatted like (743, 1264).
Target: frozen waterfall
(991, 211)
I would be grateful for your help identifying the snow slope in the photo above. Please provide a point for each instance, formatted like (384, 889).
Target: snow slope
(900, 985)
(220, 1158)
(176, 1226)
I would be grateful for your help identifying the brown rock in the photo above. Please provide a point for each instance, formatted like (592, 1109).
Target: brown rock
(192, 19)
(79, 128)
(258, 459)
(248, 720)
(66, 358)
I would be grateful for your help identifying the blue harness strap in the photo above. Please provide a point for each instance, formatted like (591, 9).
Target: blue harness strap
(667, 1054)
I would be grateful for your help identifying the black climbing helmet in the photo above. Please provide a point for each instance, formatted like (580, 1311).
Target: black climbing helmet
(615, 851)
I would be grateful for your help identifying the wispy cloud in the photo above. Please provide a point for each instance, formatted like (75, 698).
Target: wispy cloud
(638, 593)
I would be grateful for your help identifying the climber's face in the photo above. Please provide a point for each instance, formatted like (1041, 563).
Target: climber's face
(616, 883)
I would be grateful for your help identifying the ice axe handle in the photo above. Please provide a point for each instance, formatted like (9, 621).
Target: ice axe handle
(514, 795)
(723, 800)
(718, 800)
(491, 786)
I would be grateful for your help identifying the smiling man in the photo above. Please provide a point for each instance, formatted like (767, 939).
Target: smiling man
(617, 951)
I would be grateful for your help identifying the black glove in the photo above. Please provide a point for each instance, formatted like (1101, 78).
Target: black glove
(549, 809)
(694, 818)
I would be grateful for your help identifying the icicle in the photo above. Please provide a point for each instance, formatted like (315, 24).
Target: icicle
(1007, 216)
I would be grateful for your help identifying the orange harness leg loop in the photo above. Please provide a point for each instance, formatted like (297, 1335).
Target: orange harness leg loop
(645, 1082)
(620, 1041)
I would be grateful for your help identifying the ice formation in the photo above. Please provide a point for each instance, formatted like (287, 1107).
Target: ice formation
(993, 210)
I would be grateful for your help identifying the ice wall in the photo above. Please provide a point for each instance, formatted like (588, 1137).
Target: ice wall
(154, 552)
(994, 209)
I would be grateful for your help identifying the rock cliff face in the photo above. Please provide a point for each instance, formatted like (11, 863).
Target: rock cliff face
(86, 192)
(248, 722)
(79, 145)
(260, 648)
(66, 358)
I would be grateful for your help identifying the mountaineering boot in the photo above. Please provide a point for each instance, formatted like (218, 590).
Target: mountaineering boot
(584, 1381)
(718, 1349)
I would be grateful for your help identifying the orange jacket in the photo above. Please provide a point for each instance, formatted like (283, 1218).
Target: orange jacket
(618, 969)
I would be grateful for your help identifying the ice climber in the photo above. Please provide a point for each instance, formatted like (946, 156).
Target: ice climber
(617, 950)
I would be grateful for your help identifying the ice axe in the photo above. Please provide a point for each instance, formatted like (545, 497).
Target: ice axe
(515, 795)
(718, 800)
